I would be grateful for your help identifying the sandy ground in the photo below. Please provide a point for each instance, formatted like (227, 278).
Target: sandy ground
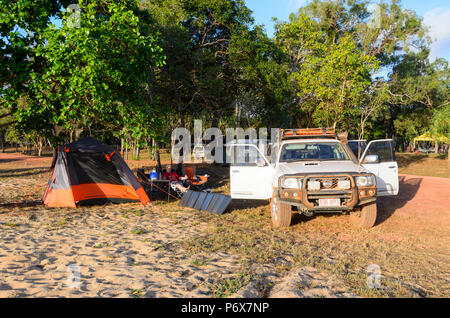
(116, 256)
(127, 250)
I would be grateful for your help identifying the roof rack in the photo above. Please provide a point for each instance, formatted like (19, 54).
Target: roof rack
(308, 133)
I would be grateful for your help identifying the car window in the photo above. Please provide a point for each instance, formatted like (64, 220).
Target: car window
(353, 144)
(383, 149)
(243, 155)
(313, 151)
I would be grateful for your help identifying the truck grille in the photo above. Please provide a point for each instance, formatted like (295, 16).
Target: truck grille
(329, 183)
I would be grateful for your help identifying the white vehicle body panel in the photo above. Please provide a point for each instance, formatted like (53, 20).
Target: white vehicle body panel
(257, 182)
(386, 172)
(251, 181)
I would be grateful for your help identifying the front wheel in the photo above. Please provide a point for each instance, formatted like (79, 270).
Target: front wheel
(281, 213)
(365, 216)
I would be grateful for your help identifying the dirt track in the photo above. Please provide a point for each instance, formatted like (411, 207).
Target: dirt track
(419, 196)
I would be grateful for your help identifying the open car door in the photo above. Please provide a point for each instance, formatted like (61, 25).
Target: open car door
(385, 168)
(250, 173)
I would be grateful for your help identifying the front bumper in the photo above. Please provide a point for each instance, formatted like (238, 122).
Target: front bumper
(308, 200)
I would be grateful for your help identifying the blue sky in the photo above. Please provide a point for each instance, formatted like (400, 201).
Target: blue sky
(436, 14)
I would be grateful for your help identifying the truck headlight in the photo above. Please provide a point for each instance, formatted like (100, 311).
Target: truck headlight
(364, 181)
(291, 183)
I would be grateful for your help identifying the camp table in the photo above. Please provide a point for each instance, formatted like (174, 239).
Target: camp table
(160, 186)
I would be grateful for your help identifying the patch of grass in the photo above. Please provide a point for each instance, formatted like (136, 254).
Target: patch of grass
(137, 293)
(226, 287)
(138, 231)
(61, 222)
(99, 245)
(434, 165)
(11, 224)
(199, 262)
(313, 242)
(158, 246)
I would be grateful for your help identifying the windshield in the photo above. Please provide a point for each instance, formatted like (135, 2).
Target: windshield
(313, 151)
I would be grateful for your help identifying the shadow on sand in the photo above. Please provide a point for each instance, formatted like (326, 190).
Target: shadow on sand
(387, 206)
(24, 172)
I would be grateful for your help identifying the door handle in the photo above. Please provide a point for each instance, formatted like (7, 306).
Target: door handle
(392, 167)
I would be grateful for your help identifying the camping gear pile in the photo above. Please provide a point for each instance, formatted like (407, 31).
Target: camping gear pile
(88, 172)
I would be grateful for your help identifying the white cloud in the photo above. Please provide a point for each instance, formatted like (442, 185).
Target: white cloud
(438, 20)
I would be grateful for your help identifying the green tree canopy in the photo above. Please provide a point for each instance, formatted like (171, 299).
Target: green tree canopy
(97, 74)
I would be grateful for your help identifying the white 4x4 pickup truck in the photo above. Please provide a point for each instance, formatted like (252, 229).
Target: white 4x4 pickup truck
(316, 172)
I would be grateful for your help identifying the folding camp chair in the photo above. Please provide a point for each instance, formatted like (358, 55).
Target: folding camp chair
(177, 191)
(197, 182)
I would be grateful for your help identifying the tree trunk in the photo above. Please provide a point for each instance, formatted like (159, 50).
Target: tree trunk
(216, 120)
(158, 158)
(334, 125)
(137, 153)
(237, 114)
(153, 149)
(54, 154)
(40, 145)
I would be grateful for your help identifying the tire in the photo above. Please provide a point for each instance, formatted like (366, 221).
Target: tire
(365, 216)
(281, 213)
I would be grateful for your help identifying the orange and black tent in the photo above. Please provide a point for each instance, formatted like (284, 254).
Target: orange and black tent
(89, 172)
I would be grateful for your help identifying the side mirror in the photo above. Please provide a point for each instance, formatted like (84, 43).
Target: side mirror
(261, 163)
(371, 159)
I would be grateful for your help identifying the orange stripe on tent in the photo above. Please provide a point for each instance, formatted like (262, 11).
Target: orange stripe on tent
(102, 190)
(143, 196)
(62, 198)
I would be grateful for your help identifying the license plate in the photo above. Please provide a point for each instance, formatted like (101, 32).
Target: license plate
(329, 202)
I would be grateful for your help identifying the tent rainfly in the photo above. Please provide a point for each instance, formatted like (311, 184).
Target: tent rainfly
(89, 172)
